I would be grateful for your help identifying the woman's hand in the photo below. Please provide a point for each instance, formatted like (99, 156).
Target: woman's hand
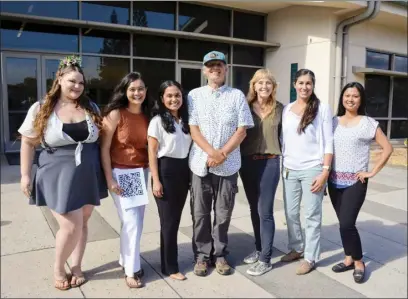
(115, 187)
(319, 182)
(157, 188)
(362, 176)
(25, 185)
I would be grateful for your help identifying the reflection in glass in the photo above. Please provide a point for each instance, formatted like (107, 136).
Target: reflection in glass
(154, 73)
(154, 14)
(378, 60)
(195, 50)
(105, 42)
(249, 26)
(115, 12)
(401, 64)
(20, 35)
(102, 75)
(204, 19)
(51, 68)
(21, 78)
(377, 93)
(248, 55)
(57, 9)
(383, 125)
(190, 79)
(399, 129)
(399, 100)
(241, 77)
(154, 46)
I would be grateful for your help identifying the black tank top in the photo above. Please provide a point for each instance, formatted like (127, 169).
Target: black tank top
(77, 131)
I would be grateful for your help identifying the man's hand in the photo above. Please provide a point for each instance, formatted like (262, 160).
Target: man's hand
(216, 158)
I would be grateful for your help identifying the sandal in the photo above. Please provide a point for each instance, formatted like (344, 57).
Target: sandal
(62, 284)
(79, 280)
(135, 282)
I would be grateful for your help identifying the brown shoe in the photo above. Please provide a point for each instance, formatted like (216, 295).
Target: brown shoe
(222, 267)
(201, 268)
(305, 267)
(292, 256)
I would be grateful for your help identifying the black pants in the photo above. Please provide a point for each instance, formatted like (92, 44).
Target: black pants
(174, 175)
(347, 203)
(260, 178)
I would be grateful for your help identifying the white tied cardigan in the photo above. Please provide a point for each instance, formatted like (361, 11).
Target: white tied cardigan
(54, 136)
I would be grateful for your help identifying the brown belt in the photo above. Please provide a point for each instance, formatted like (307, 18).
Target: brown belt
(263, 157)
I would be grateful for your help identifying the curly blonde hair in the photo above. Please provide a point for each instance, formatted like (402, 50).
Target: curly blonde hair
(51, 98)
(251, 96)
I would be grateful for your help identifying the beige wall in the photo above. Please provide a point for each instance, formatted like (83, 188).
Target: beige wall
(306, 41)
(372, 36)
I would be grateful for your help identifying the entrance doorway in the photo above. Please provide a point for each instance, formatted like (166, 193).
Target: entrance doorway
(26, 79)
(190, 76)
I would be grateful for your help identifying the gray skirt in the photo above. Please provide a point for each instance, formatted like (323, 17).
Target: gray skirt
(64, 187)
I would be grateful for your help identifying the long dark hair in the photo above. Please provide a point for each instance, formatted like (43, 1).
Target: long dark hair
(119, 98)
(362, 109)
(166, 117)
(312, 105)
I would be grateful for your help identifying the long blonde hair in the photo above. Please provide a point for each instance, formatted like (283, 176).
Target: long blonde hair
(251, 97)
(51, 99)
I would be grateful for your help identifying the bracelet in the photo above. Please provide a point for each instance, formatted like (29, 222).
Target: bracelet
(326, 167)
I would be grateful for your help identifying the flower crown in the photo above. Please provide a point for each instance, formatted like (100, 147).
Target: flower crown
(72, 60)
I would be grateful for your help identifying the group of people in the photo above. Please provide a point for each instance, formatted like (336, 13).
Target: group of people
(199, 143)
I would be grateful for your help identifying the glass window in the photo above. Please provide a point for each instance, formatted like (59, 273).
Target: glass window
(383, 125)
(241, 77)
(57, 9)
(106, 42)
(154, 46)
(399, 129)
(102, 75)
(377, 93)
(21, 77)
(115, 12)
(401, 64)
(378, 60)
(399, 100)
(255, 31)
(248, 55)
(152, 77)
(155, 14)
(203, 19)
(195, 50)
(26, 36)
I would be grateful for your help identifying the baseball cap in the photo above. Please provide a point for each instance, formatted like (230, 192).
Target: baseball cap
(214, 55)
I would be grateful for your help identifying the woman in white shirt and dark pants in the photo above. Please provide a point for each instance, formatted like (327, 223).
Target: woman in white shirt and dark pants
(307, 148)
(169, 144)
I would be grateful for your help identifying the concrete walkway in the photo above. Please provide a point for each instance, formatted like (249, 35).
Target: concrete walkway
(27, 251)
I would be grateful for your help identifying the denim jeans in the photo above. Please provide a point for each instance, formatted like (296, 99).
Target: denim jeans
(260, 179)
(296, 186)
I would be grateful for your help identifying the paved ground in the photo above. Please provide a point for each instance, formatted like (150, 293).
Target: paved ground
(27, 251)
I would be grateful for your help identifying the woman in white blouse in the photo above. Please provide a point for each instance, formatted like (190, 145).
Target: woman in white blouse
(307, 149)
(69, 178)
(169, 144)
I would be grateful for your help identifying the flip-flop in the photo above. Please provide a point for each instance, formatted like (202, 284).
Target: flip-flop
(81, 280)
(138, 284)
(62, 282)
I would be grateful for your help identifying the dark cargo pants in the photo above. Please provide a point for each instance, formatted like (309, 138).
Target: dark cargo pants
(210, 239)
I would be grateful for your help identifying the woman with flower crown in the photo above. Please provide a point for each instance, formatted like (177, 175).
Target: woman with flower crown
(69, 179)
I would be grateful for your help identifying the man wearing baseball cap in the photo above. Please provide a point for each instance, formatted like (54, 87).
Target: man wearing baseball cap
(218, 117)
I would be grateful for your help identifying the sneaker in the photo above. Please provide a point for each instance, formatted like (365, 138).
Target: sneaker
(252, 258)
(259, 269)
(292, 256)
(222, 266)
(201, 268)
(305, 267)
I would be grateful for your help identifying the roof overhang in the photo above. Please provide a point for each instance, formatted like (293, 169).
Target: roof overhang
(372, 71)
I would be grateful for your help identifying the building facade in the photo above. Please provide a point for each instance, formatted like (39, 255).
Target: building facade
(167, 40)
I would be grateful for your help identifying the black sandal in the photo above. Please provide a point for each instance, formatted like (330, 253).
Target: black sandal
(359, 275)
(341, 267)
